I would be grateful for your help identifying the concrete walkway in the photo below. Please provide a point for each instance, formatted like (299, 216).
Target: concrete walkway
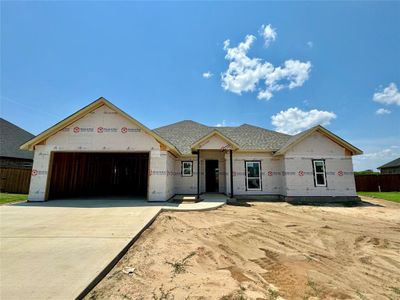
(54, 249)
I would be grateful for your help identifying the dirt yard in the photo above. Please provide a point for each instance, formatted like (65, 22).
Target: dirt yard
(265, 251)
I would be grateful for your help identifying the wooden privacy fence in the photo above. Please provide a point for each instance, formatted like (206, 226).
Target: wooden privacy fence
(376, 183)
(15, 180)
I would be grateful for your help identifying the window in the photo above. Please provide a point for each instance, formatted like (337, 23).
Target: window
(253, 175)
(319, 172)
(187, 168)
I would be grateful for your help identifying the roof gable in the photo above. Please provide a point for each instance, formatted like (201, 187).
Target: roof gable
(216, 137)
(296, 139)
(83, 112)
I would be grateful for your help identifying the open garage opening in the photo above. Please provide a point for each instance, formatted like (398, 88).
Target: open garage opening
(90, 175)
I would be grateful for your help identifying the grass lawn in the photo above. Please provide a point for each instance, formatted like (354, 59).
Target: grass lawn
(391, 196)
(7, 198)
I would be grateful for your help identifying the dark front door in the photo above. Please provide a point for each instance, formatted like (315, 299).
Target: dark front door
(212, 174)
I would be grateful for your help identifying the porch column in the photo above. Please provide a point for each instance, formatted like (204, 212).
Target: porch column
(231, 171)
(198, 174)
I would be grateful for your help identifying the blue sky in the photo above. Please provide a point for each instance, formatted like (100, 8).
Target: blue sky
(165, 62)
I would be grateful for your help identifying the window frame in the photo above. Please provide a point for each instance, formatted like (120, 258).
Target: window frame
(259, 175)
(191, 168)
(316, 184)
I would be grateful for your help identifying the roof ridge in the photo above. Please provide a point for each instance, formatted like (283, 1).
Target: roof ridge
(266, 129)
(216, 127)
(183, 121)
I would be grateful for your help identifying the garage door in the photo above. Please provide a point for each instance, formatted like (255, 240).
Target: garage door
(98, 174)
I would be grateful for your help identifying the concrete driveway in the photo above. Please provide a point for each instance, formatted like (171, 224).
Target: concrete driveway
(54, 249)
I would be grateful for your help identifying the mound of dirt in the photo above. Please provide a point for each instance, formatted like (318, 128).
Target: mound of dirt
(265, 251)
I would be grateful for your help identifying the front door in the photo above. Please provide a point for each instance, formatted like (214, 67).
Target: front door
(212, 175)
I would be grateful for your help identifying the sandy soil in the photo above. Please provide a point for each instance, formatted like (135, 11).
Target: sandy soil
(265, 251)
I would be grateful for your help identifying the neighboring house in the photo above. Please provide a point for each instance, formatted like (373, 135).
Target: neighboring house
(392, 167)
(15, 164)
(100, 150)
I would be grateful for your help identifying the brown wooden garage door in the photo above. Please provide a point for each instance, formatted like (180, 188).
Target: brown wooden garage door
(98, 174)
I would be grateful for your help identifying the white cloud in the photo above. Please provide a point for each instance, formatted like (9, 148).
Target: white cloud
(373, 160)
(245, 74)
(377, 151)
(226, 44)
(293, 74)
(383, 111)
(373, 148)
(264, 94)
(208, 74)
(222, 124)
(385, 153)
(389, 95)
(310, 44)
(268, 33)
(294, 120)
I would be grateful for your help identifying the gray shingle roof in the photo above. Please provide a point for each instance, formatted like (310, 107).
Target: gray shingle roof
(185, 133)
(391, 164)
(11, 137)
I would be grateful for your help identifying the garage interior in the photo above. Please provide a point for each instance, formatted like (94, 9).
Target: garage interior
(82, 174)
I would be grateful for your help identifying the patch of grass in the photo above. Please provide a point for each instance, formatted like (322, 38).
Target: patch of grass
(273, 295)
(179, 266)
(309, 258)
(390, 196)
(9, 198)
(234, 296)
(395, 289)
(360, 295)
(315, 290)
(163, 294)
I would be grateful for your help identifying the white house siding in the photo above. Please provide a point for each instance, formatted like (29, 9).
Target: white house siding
(271, 177)
(101, 130)
(159, 182)
(40, 170)
(185, 185)
(171, 173)
(299, 178)
(213, 143)
(188, 185)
